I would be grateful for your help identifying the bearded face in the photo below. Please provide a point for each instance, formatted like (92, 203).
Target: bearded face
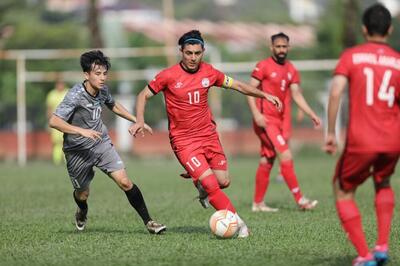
(279, 49)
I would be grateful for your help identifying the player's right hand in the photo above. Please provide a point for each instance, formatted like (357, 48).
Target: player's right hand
(91, 134)
(137, 128)
(330, 146)
(274, 100)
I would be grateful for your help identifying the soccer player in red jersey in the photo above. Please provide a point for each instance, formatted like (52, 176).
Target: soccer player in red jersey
(372, 71)
(276, 75)
(192, 130)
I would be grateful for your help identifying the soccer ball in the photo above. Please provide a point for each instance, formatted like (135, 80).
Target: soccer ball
(223, 224)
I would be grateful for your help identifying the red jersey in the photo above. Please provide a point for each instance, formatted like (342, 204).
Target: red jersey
(373, 72)
(186, 98)
(276, 80)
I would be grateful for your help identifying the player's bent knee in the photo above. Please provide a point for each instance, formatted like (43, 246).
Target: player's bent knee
(82, 195)
(225, 183)
(125, 184)
(286, 156)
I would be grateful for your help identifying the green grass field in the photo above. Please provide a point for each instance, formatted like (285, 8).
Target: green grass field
(36, 225)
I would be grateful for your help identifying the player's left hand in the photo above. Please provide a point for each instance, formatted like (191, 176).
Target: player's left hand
(274, 100)
(330, 146)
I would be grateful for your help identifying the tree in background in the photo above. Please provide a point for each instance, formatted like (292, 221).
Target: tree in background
(93, 24)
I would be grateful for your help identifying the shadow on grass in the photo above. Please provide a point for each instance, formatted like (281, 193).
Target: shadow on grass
(333, 261)
(189, 230)
(97, 230)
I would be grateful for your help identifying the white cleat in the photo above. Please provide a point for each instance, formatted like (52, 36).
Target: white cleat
(243, 231)
(307, 204)
(261, 207)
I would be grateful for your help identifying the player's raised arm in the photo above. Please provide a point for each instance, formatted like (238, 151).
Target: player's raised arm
(303, 105)
(121, 111)
(252, 91)
(257, 115)
(141, 100)
(338, 86)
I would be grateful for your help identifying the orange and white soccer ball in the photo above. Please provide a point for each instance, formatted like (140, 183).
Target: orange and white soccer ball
(224, 224)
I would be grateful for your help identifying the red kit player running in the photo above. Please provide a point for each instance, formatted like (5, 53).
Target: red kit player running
(372, 71)
(276, 75)
(192, 130)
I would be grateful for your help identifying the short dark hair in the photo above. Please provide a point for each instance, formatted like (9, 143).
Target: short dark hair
(191, 37)
(95, 57)
(278, 36)
(377, 20)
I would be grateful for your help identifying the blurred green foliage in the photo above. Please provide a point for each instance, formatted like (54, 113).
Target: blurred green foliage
(34, 27)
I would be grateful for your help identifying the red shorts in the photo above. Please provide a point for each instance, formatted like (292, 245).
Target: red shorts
(353, 169)
(199, 156)
(272, 140)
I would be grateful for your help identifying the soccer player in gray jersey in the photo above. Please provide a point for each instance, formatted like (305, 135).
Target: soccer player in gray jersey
(86, 140)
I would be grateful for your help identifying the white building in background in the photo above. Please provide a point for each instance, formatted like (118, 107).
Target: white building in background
(393, 6)
(304, 10)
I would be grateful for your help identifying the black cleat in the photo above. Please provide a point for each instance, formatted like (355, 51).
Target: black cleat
(80, 219)
(155, 228)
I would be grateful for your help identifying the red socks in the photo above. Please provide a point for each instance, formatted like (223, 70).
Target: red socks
(287, 171)
(262, 181)
(351, 221)
(384, 205)
(217, 198)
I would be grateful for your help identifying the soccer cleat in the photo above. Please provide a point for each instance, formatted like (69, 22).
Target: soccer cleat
(155, 228)
(381, 255)
(80, 219)
(307, 204)
(261, 207)
(243, 231)
(364, 261)
(185, 175)
(203, 196)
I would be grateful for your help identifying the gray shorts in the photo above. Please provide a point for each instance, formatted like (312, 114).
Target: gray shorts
(80, 163)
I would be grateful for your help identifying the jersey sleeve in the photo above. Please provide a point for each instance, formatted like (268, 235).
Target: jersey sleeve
(67, 107)
(296, 77)
(109, 100)
(343, 66)
(258, 72)
(159, 83)
(222, 80)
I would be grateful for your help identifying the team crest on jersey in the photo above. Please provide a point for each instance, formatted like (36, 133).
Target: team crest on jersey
(289, 76)
(205, 82)
(273, 75)
(178, 85)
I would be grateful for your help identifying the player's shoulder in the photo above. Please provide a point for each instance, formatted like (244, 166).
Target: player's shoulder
(170, 71)
(76, 91)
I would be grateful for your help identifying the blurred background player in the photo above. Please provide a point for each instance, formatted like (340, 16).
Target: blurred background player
(287, 125)
(372, 71)
(86, 140)
(53, 99)
(192, 130)
(277, 76)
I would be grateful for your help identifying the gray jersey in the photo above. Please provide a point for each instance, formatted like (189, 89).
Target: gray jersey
(81, 109)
